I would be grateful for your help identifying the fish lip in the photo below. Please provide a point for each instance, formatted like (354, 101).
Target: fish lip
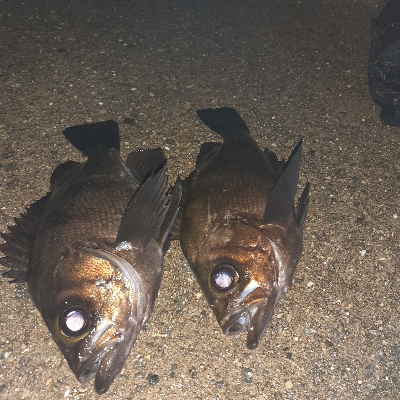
(245, 313)
(106, 363)
(96, 367)
(88, 367)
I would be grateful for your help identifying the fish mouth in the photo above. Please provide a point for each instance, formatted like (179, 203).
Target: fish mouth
(98, 367)
(106, 363)
(253, 317)
(239, 320)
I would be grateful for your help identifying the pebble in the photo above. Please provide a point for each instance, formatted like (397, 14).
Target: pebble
(48, 353)
(247, 374)
(7, 355)
(288, 384)
(153, 379)
(308, 330)
(336, 336)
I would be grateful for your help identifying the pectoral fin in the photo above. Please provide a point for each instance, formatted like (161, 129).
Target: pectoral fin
(302, 205)
(281, 198)
(146, 211)
(143, 163)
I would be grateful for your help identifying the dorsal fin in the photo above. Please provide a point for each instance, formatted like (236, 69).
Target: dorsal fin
(19, 241)
(145, 212)
(281, 198)
(225, 121)
(144, 162)
(88, 136)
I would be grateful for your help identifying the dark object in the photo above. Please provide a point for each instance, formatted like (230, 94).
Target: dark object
(153, 379)
(384, 63)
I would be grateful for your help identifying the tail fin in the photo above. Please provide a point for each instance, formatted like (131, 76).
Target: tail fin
(225, 121)
(86, 137)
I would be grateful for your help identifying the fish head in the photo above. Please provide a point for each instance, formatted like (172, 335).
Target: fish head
(243, 279)
(94, 312)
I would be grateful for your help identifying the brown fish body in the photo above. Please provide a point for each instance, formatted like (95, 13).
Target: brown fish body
(84, 197)
(239, 226)
(92, 250)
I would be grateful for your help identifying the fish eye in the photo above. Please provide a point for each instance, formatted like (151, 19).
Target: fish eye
(75, 321)
(224, 278)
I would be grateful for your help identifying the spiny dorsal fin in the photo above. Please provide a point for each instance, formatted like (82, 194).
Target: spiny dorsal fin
(302, 205)
(225, 121)
(19, 241)
(88, 136)
(281, 198)
(144, 162)
(145, 212)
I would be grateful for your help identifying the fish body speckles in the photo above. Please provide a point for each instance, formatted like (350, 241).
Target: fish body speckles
(240, 230)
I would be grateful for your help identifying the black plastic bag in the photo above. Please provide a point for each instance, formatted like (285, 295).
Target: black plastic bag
(384, 63)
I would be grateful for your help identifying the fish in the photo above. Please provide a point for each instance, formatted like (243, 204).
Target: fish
(239, 228)
(91, 250)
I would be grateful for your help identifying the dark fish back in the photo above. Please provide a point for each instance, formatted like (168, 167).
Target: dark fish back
(238, 175)
(85, 208)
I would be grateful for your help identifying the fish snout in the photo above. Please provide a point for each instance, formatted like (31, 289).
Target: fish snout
(239, 319)
(105, 356)
(252, 316)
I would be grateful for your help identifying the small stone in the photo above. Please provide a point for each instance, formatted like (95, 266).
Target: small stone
(153, 379)
(396, 351)
(362, 252)
(336, 336)
(288, 384)
(308, 330)
(246, 374)
(193, 373)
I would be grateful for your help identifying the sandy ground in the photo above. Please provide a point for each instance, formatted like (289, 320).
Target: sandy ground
(292, 69)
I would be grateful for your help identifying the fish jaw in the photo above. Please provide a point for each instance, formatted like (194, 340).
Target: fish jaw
(106, 363)
(252, 317)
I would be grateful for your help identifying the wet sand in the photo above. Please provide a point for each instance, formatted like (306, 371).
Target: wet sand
(291, 69)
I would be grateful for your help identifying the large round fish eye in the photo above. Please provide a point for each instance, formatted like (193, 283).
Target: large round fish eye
(224, 278)
(75, 321)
